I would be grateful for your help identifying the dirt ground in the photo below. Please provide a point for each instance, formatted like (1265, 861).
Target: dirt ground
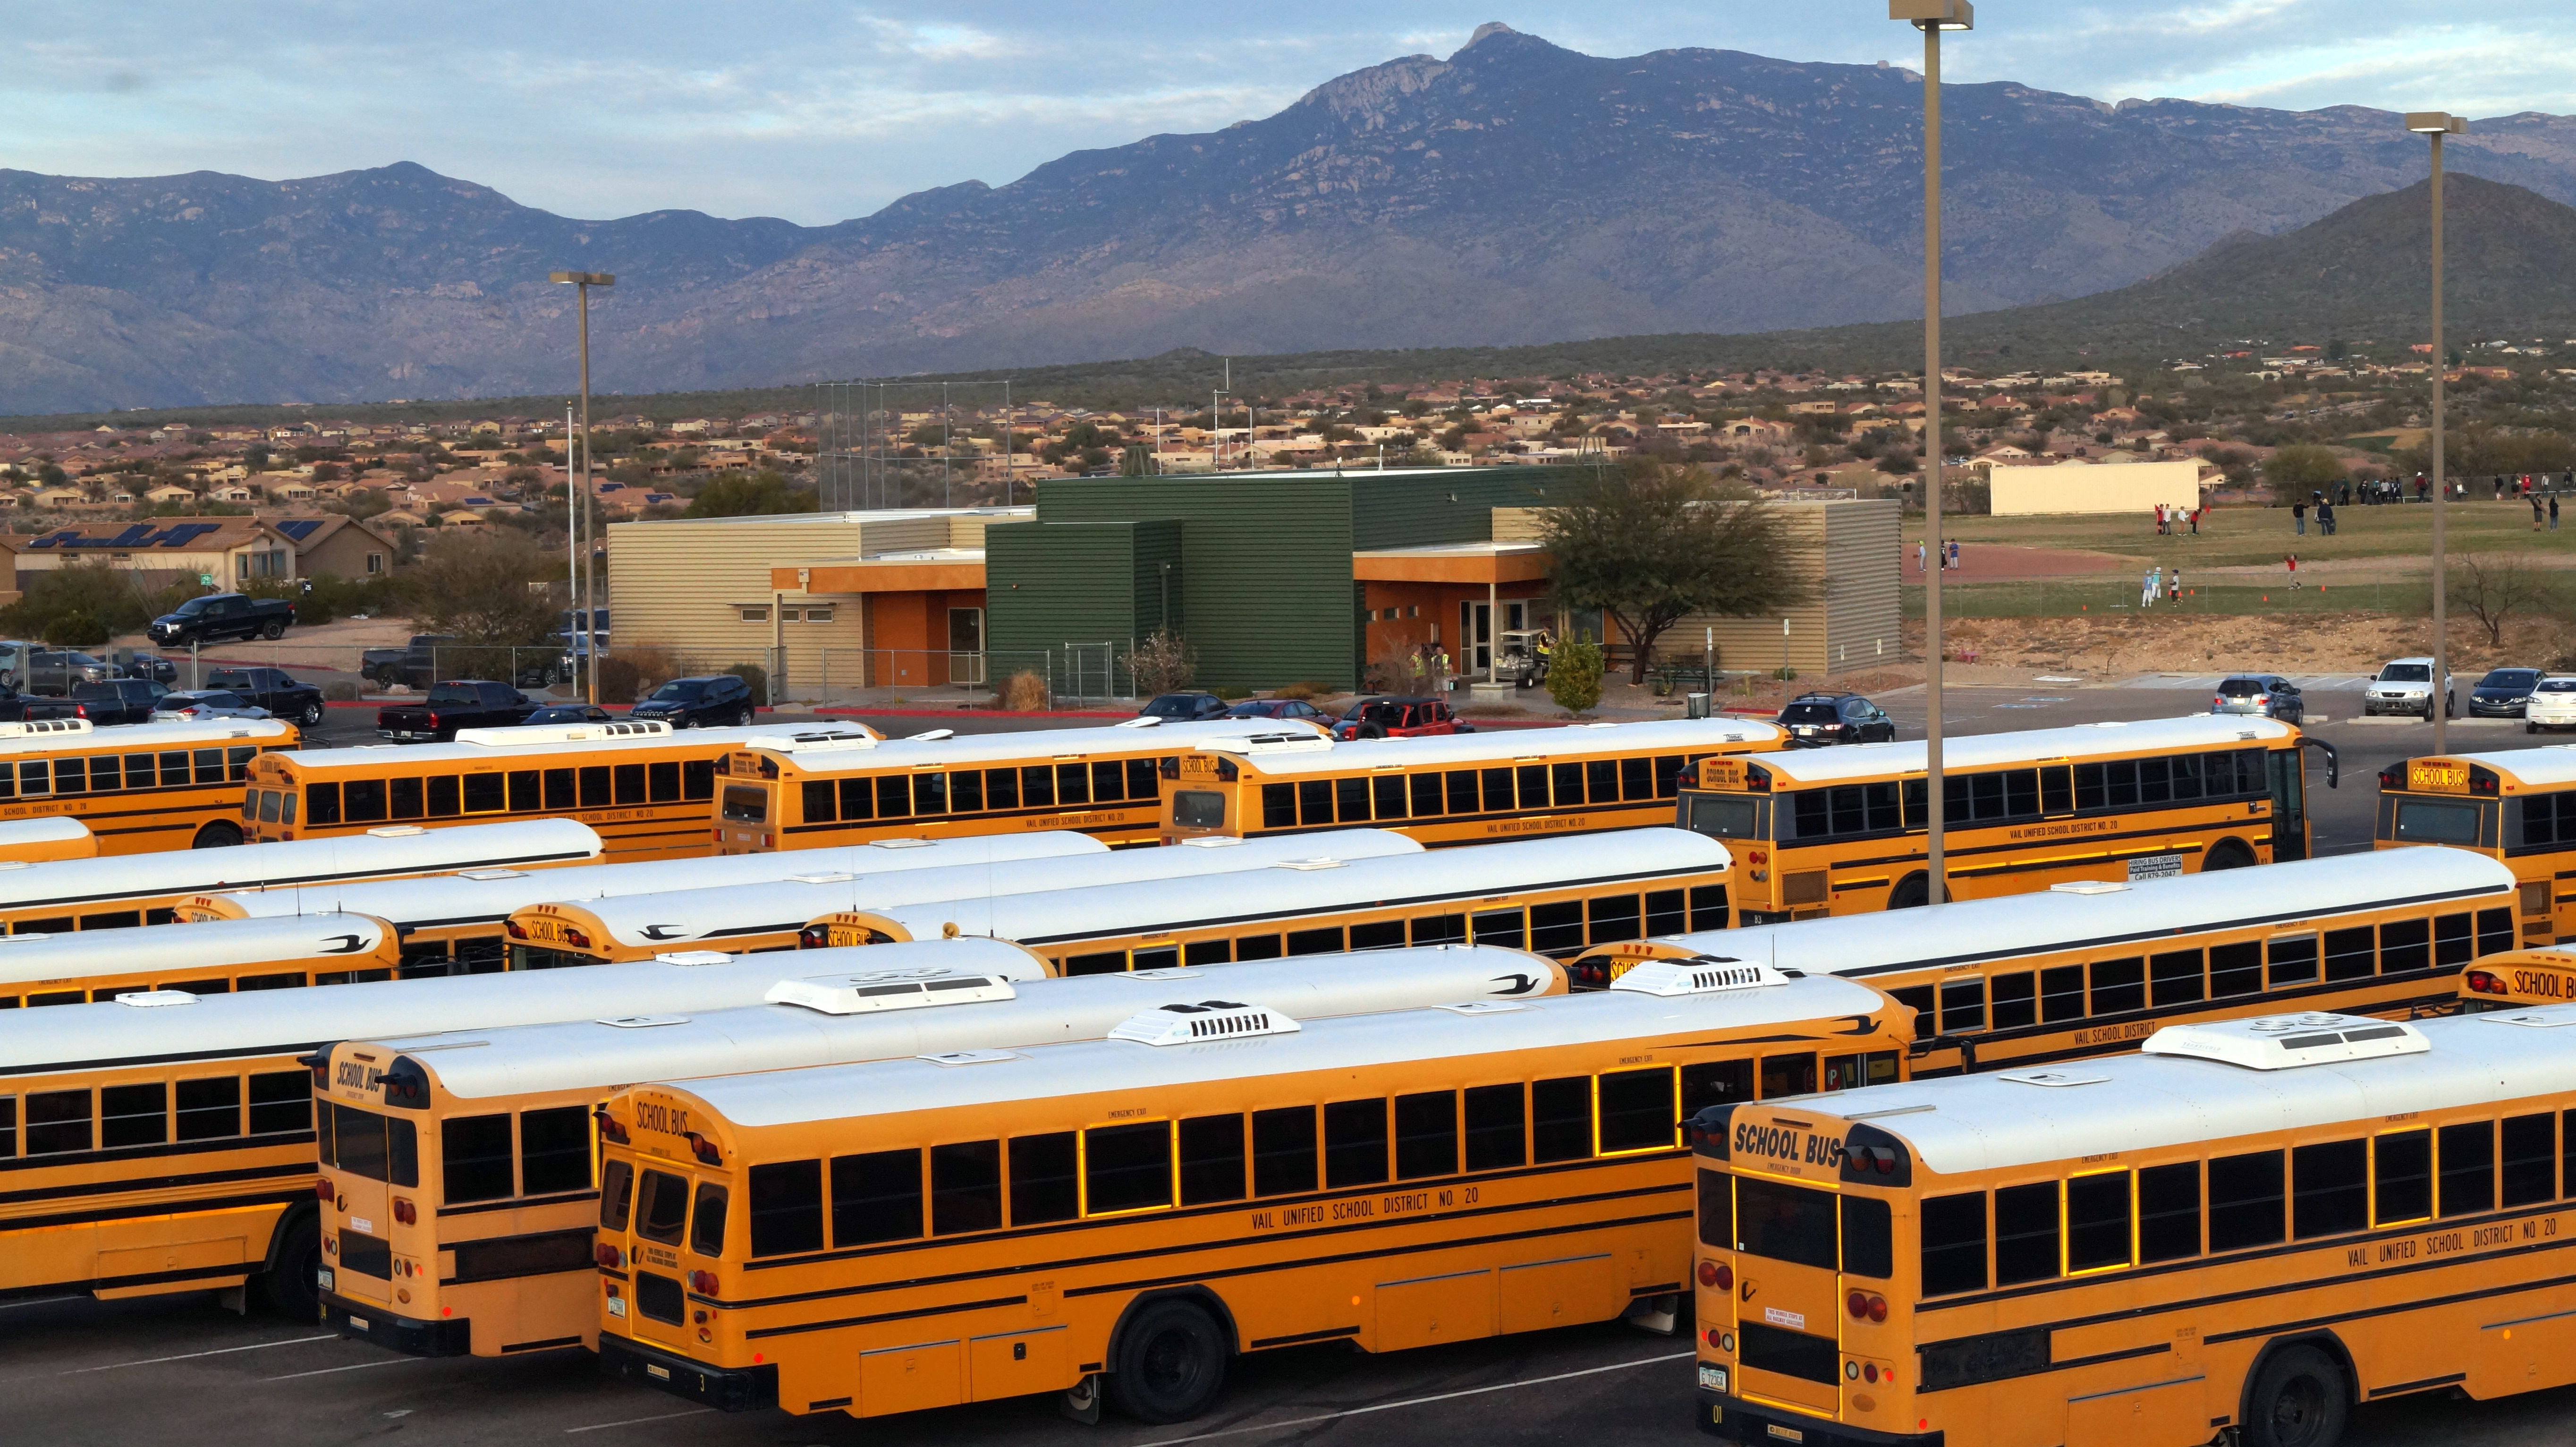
(1982, 562)
(2094, 648)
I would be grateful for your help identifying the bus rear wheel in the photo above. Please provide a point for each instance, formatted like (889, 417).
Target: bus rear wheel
(2298, 1400)
(1171, 1363)
(221, 834)
(2227, 854)
(288, 1287)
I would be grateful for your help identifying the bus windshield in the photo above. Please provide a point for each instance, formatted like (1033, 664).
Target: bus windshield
(2427, 821)
(1725, 816)
(1785, 1222)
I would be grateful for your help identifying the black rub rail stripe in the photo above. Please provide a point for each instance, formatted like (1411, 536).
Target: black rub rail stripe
(162, 1208)
(2390, 1391)
(2070, 1364)
(156, 1183)
(2366, 1313)
(1153, 807)
(171, 1057)
(148, 1278)
(119, 1154)
(1633, 876)
(2410, 1003)
(513, 1203)
(1329, 1333)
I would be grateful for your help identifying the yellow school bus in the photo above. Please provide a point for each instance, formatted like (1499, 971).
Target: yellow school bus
(33, 841)
(643, 786)
(164, 1141)
(2091, 969)
(1841, 830)
(1554, 897)
(2518, 978)
(807, 792)
(268, 954)
(1129, 1214)
(2503, 805)
(1458, 789)
(140, 788)
(519, 1241)
(2243, 1234)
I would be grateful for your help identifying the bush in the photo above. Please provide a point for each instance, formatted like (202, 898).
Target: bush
(1163, 663)
(1306, 688)
(756, 676)
(1025, 693)
(620, 681)
(76, 629)
(1574, 674)
(340, 691)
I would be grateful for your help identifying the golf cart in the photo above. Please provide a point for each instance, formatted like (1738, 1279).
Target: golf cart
(1517, 659)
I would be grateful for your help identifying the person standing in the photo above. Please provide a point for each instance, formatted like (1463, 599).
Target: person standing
(1918, 555)
(2553, 512)
(2299, 518)
(2293, 561)
(2535, 512)
(2147, 591)
(2173, 585)
(2195, 520)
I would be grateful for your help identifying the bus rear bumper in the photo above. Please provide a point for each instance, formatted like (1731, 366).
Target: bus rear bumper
(727, 1390)
(367, 1322)
(1732, 1419)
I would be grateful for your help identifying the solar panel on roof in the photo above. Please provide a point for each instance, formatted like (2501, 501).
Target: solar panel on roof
(182, 534)
(134, 533)
(298, 528)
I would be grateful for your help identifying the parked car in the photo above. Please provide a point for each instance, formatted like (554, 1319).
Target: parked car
(196, 704)
(714, 700)
(272, 689)
(2405, 685)
(1293, 708)
(16, 707)
(57, 671)
(1399, 718)
(2503, 692)
(421, 660)
(129, 664)
(216, 617)
(2268, 694)
(1813, 720)
(118, 700)
(2553, 704)
(412, 664)
(1183, 707)
(456, 703)
(570, 713)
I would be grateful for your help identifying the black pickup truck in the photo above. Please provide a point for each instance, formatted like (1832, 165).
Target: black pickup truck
(271, 689)
(454, 704)
(220, 617)
(417, 663)
(16, 707)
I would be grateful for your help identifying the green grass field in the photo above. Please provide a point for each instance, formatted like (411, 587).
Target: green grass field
(2253, 536)
(2072, 597)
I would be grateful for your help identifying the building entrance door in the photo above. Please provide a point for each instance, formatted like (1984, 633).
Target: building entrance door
(1476, 629)
(966, 646)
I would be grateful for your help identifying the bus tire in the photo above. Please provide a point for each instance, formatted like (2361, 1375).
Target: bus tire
(1912, 892)
(2227, 854)
(2298, 1399)
(221, 834)
(1170, 1362)
(295, 1255)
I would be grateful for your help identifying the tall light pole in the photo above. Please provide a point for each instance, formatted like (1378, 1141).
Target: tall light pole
(1932, 17)
(2436, 125)
(584, 281)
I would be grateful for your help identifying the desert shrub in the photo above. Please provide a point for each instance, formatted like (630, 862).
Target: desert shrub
(1163, 663)
(76, 629)
(1574, 674)
(620, 681)
(1306, 688)
(756, 676)
(1025, 693)
(340, 691)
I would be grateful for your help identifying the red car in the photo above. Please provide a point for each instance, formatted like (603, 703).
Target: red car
(1399, 718)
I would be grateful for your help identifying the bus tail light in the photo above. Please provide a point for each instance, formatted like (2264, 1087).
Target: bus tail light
(325, 1190)
(517, 931)
(813, 937)
(1867, 1306)
(610, 1130)
(578, 939)
(608, 1257)
(2484, 982)
(705, 1150)
(1717, 1275)
(405, 1214)
(703, 1282)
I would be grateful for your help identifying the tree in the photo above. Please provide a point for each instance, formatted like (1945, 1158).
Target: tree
(2294, 472)
(474, 584)
(1163, 663)
(1653, 543)
(760, 494)
(1574, 674)
(2492, 588)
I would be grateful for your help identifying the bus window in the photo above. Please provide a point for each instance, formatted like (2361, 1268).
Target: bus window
(1715, 1082)
(1354, 1143)
(2429, 821)
(474, 1160)
(2097, 1221)
(1388, 791)
(2329, 1188)
(8, 1127)
(697, 780)
(446, 799)
(362, 801)
(929, 793)
(1351, 800)
(2404, 944)
(1042, 1182)
(1314, 801)
(1106, 962)
(1784, 1075)
(1869, 1238)
(1326, 941)
(1072, 784)
(2495, 929)
(1461, 787)
(1567, 781)
(2119, 986)
(1561, 1119)
(1037, 786)
(1533, 787)
(1423, 792)
(2169, 1212)
(562, 795)
(876, 1197)
(1556, 927)
(2294, 960)
(595, 790)
(1156, 959)
(1918, 998)
(1278, 806)
(1708, 906)
(554, 1151)
(57, 1122)
(1782, 1222)
(1963, 1005)
(707, 1221)
(1498, 791)
(210, 1109)
(1440, 929)
(2026, 1226)
(662, 1208)
(2175, 978)
(2530, 1160)
(2236, 969)
(2468, 1169)
(746, 806)
(616, 1194)
(2349, 955)
(2401, 1177)
(281, 1101)
(1495, 1127)
(1199, 809)
(1207, 952)
(965, 1187)
(133, 1115)
(817, 795)
(1499, 927)
(1954, 1241)
(1665, 912)
(629, 779)
(1637, 1109)
(527, 788)
(1256, 947)
(1384, 934)
(2016, 1002)
(1725, 816)
(858, 798)
(1127, 1167)
(1614, 918)
(1283, 1151)
(1211, 1159)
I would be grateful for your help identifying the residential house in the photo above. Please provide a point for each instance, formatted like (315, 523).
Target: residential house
(335, 545)
(226, 551)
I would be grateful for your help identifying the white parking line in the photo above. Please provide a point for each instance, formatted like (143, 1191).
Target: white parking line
(637, 1421)
(1422, 1401)
(352, 1367)
(192, 1356)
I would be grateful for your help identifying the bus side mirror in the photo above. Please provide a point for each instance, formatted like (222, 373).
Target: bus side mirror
(2334, 762)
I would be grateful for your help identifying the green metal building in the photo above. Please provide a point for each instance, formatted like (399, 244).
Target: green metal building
(1254, 569)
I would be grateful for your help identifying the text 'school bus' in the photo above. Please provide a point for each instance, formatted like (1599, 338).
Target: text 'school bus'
(2254, 1226)
(34, 841)
(775, 916)
(164, 1142)
(127, 890)
(2503, 805)
(643, 786)
(456, 924)
(807, 792)
(141, 788)
(1458, 789)
(1841, 830)
(511, 1224)
(218, 959)
(2091, 969)
(1550, 896)
(1130, 1213)
(2517, 979)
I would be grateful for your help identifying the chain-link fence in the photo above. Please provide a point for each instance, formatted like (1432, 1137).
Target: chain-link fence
(895, 677)
(2078, 597)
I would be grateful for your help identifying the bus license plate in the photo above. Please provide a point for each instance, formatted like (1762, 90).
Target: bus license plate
(323, 1278)
(1712, 1376)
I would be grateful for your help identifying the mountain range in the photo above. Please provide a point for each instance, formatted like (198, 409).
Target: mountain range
(1516, 192)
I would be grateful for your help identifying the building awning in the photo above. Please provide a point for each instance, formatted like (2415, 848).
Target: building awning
(930, 570)
(1482, 564)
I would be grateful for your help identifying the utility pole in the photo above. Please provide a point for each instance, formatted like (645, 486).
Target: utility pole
(583, 281)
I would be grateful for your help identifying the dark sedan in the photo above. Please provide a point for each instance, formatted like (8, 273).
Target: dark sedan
(1183, 707)
(1815, 719)
(1289, 708)
(2503, 693)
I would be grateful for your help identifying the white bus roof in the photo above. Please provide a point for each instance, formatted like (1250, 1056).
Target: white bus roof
(1860, 945)
(493, 746)
(104, 954)
(893, 1087)
(2140, 1103)
(50, 829)
(489, 896)
(1122, 740)
(1987, 751)
(1590, 860)
(80, 736)
(394, 849)
(2548, 765)
(593, 1054)
(268, 1022)
(1538, 745)
(715, 915)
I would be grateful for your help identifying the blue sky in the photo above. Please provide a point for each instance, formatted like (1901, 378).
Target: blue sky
(820, 111)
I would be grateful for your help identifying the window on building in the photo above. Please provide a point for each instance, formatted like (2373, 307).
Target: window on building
(754, 614)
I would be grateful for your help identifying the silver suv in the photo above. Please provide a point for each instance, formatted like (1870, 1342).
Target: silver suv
(2268, 694)
(2405, 686)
